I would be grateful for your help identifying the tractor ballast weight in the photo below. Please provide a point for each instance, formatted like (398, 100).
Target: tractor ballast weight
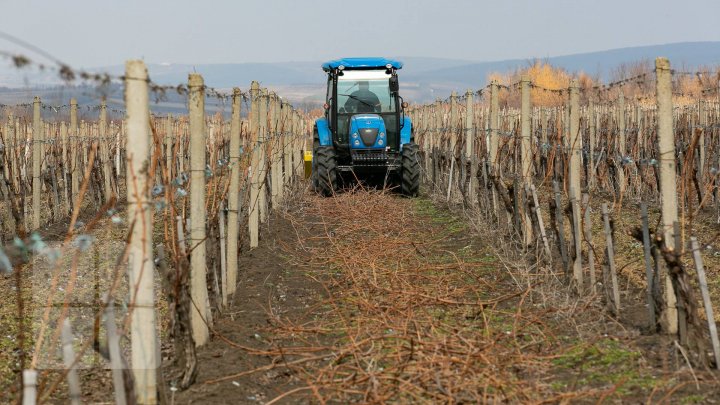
(365, 131)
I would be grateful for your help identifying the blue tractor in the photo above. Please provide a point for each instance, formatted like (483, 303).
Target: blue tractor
(365, 133)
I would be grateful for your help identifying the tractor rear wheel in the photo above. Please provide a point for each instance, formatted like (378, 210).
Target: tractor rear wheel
(410, 171)
(325, 164)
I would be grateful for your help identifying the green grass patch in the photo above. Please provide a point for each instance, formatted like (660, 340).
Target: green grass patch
(439, 216)
(602, 363)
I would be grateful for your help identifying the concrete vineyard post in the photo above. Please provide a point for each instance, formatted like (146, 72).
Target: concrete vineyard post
(452, 136)
(438, 141)
(275, 142)
(494, 126)
(254, 148)
(140, 258)
(169, 140)
(622, 136)
(470, 144)
(543, 144)
(114, 351)
(668, 185)
(65, 173)
(223, 257)
(525, 151)
(591, 148)
(298, 148)
(13, 137)
(105, 152)
(29, 378)
(701, 140)
(575, 143)
(427, 140)
(68, 355)
(74, 169)
(119, 132)
(234, 192)
(263, 137)
(37, 142)
(525, 116)
(452, 122)
(641, 131)
(198, 215)
(287, 137)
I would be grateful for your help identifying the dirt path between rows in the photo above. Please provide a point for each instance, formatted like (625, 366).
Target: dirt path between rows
(372, 298)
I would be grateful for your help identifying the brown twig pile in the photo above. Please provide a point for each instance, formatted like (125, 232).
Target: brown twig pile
(413, 313)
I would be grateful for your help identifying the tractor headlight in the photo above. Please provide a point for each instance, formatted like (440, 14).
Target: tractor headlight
(382, 134)
(380, 142)
(355, 135)
(356, 143)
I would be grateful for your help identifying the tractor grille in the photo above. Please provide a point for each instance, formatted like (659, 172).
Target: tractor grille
(368, 136)
(369, 157)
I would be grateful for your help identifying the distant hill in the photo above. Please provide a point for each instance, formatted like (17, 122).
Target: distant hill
(422, 78)
(688, 54)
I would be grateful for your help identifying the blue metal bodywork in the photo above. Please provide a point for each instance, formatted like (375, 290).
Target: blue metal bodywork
(361, 63)
(364, 143)
(405, 131)
(371, 122)
(324, 135)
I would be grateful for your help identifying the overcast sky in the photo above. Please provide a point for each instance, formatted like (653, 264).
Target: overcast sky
(91, 33)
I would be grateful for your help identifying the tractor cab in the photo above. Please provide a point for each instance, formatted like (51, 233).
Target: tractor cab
(364, 130)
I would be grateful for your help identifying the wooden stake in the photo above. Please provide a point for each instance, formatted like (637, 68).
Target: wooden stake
(541, 224)
(611, 262)
(648, 266)
(702, 280)
(560, 226)
(588, 238)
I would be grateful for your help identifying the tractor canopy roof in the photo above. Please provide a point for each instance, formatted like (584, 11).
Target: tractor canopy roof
(361, 64)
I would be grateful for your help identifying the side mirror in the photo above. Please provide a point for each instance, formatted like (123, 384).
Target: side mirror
(394, 84)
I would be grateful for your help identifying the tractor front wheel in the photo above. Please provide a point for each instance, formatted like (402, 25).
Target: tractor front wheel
(410, 171)
(325, 163)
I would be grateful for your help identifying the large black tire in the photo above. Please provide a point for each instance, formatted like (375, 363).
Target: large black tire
(325, 165)
(410, 170)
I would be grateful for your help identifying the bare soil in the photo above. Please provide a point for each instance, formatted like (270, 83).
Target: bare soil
(371, 298)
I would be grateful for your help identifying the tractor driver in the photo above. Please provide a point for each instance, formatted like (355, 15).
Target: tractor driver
(363, 100)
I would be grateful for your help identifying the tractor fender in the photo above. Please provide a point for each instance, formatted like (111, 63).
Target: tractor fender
(322, 132)
(406, 132)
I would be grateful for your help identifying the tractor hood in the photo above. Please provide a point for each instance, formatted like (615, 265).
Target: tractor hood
(367, 131)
